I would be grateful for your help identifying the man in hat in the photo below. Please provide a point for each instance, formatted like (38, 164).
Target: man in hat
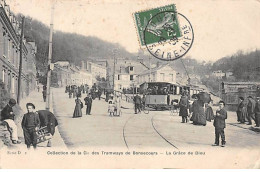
(30, 124)
(251, 109)
(257, 111)
(88, 102)
(7, 115)
(220, 124)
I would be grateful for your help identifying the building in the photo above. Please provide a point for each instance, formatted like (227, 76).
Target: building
(162, 73)
(69, 74)
(10, 55)
(98, 71)
(219, 74)
(231, 91)
(63, 72)
(126, 72)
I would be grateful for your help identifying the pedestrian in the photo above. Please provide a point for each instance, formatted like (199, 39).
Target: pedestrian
(77, 111)
(137, 102)
(44, 94)
(111, 108)
(143, 101)
(209, 112)
(168, 99)
(99, 93)
(250, 110)
(241, 110)
(75, 90)
(198, 113)
(83, 89)
(88, 103)
(30, 125)
(118, 104)
(219, 124)
(184, 105)
(7, 115)
(257, 111)
(70, 93)
(49, 120)
(38, 88)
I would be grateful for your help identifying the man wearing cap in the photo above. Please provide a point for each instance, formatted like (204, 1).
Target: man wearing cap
(30, 124)
(7, 115)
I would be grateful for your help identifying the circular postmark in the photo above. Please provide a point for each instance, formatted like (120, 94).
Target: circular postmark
(168, 35)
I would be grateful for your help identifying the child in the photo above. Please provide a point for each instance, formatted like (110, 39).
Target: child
(111, 108)
(209, 112)
(219, 124)
(30, 125)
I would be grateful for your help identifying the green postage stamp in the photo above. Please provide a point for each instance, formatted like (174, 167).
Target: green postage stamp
(163, 24)
(166, 34)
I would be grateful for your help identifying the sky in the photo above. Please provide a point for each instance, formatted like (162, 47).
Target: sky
(221, 28)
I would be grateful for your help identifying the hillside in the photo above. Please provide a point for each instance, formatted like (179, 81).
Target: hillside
(74, 48)
(245, 66)
(67, 46)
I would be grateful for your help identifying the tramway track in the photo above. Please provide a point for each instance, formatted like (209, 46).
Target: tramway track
(153, 129)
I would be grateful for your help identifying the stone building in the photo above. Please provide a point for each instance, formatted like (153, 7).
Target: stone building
(10, 55)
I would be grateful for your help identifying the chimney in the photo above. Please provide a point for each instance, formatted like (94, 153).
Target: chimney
(82, 65)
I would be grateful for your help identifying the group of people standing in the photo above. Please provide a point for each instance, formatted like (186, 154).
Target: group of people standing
(31, 123)
(249, 109)
(199, 112)
(79, 105)
(76, 91)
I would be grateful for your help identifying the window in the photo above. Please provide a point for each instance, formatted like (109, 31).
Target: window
(153, 77)
(162, 76)
(131, 68)
(3, 75)
(10, 51)
(171, 77)
(12, 85)
(131, 77)
(5, 44)
(118, 77)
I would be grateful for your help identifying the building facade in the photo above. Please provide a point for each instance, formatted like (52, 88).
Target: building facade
(163, 73)
(98, 71)
(68, 74)
(10, 55)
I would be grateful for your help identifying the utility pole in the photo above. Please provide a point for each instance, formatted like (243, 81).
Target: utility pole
(114, 53)
(149, 68)
(21, 62)
(49, 62)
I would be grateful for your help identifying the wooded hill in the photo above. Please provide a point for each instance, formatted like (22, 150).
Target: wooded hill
(74, 48)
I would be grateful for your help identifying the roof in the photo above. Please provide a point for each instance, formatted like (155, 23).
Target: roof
(62, 63)
(242, 83)
(156, 69)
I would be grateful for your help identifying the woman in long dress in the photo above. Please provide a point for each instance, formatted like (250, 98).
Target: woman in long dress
(77, 111)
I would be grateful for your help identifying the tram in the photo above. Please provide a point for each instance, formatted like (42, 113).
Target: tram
(161, 95)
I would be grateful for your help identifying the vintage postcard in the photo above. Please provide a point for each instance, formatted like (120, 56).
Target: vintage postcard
(129, 84)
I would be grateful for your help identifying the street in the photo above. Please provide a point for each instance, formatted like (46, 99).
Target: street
(157, 129)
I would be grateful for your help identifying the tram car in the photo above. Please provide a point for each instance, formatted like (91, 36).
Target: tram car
(162, 95)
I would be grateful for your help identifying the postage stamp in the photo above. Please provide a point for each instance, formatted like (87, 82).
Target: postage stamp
(165, 33)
